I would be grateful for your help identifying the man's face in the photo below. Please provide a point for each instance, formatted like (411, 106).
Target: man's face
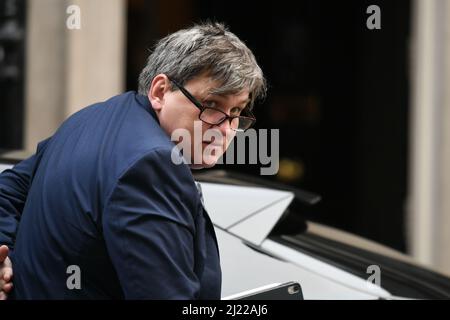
(175, 111)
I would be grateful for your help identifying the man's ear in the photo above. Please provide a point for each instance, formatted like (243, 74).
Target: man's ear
(160, 85)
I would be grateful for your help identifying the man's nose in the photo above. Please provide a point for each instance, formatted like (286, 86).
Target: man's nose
(224, 127)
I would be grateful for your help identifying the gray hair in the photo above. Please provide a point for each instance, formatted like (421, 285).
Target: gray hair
(206, 48)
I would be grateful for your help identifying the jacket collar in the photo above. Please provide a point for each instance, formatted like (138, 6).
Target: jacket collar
(146, 105)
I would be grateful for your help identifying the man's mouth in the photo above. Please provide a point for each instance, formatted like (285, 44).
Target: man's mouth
(213, 143)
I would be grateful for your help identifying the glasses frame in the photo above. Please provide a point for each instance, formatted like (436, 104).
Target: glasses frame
(202, 108)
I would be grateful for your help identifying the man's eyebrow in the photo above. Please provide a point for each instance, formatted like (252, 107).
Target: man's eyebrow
(246, 101)
(212, 92)
(243, 103)
(222, 96)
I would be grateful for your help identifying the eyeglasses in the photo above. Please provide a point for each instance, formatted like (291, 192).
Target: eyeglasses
(214, 116)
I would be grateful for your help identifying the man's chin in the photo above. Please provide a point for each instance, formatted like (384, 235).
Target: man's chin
(204, 165)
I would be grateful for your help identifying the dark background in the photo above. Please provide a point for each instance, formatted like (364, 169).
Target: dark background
(338, 93)
(12, 44)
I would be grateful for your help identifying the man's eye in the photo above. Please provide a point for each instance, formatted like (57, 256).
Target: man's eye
(209, 104)
(236, 111)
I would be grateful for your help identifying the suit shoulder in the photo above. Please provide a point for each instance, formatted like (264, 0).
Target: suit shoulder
(169, 187)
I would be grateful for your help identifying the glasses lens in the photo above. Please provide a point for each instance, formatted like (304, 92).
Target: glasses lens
(212, 116)
(243, 123)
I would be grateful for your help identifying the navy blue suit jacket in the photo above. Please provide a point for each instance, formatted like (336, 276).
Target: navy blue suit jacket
(102, 194)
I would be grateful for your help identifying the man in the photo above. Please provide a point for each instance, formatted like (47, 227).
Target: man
(107, 210)
(5, 273)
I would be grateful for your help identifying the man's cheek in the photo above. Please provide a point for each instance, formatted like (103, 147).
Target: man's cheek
(211, 154)
(229, 139)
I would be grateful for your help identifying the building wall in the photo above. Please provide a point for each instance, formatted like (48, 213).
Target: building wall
(429, 205)
(68, 69)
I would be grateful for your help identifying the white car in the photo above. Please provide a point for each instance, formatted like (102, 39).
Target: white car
(264, 240)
